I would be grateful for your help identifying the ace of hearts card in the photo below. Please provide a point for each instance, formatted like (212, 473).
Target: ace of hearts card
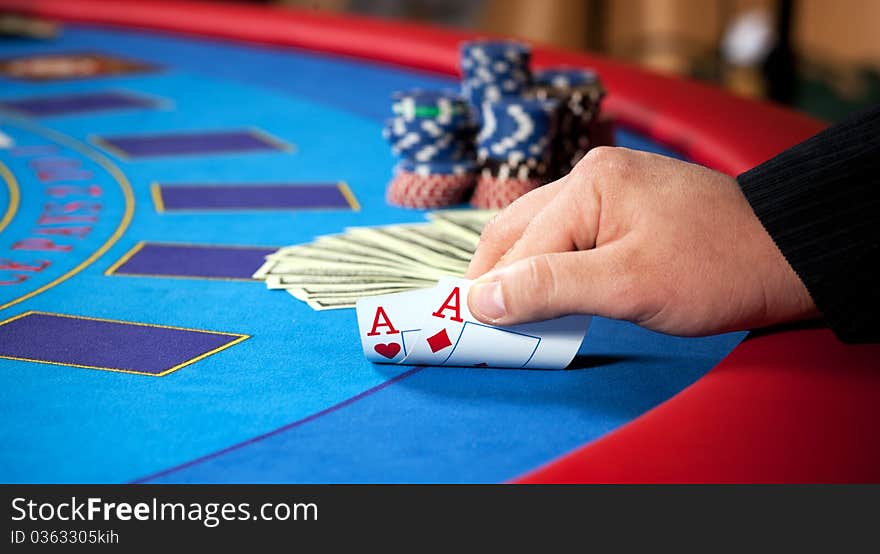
(435, 327)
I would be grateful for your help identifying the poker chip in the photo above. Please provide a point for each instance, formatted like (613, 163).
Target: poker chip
(567, 78)
(433, 133)
(495, 193)
(411, 189)
(430, 126)
(579, 93)
(527, 170)
(438, 168)
(508, 132)
(602, 131)
(493, 70)
(442, 106)
(519, 127)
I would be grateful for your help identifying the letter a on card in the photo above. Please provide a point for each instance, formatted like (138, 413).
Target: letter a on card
(450, 335)
(389, 325)
(442, 323)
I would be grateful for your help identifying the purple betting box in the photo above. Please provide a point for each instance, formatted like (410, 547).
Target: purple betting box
(254, 197)
(177, 144)
(106, 344)
(191, 260)
(77, 103)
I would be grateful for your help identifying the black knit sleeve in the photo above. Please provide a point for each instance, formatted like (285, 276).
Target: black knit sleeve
(819, 201)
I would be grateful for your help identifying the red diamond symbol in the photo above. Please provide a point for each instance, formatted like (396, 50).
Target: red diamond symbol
(439, 341)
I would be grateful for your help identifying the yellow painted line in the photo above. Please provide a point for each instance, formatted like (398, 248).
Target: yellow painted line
(120, 179)
(111, 271)
(204, 245)
(98, 141)
(272, 140)
(188, 277)
(14, 196)
(349, 196)
(125, 257)
(156, 195)
(239, 338)
(159, 201)
(255, 210)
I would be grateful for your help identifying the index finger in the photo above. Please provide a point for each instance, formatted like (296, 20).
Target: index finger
(505, 228)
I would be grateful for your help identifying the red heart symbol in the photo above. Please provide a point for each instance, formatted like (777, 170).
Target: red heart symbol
(388, 350)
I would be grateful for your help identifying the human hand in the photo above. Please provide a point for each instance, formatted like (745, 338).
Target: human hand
(670, 245)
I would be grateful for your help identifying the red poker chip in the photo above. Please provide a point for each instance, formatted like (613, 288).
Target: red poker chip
(494, 193)
(427, 189)
(411, 190)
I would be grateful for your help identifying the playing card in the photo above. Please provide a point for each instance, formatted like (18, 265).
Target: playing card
(508, 348)
(451, 336)
(388, 324)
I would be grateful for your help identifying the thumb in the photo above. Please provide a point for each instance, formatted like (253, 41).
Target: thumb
(544, 287)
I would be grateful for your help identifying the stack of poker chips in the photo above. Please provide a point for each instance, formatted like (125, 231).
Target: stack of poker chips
(515, 149)
(579, 93)
(492, 70)
(533, 129)
(431, 185)
(433, 134)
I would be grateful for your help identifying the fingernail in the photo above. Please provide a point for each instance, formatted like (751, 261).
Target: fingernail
(488, 301)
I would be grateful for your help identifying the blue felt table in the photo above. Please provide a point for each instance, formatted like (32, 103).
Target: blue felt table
(293, 400)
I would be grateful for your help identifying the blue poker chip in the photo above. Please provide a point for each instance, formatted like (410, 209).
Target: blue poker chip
(494, 69)
(497, 71)
(427, 134)
(479, 95)
(565, 77)
(491, 69)
(484, 76)
(519, 126)
(443, 106)
(426, 97)
(516, 115)
(461, 167)
(449, 149)
(484, 52)
(440, 153)
(398, 127)
(424, 140)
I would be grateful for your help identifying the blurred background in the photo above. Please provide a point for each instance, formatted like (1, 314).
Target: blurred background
(819, 56)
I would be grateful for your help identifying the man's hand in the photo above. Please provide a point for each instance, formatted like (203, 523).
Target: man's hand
(669, 245)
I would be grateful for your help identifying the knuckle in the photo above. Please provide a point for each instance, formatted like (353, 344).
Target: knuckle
(585, 166)
(600, 154)
(611, 162)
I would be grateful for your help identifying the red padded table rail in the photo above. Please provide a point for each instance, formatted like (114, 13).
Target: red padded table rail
(702, 122)
(795, 406)
(784, 407)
